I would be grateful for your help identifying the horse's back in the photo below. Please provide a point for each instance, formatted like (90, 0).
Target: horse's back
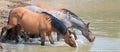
(34, 22)
(30, 21)
(18, 10)
(24, 12)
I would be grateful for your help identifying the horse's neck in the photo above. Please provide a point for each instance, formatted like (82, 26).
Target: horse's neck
(70, 21)
(78, 24)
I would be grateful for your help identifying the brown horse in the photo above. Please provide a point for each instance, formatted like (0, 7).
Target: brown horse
(37, 23)
(69, 19)
(65, 11)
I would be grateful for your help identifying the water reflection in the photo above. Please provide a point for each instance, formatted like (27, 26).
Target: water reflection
(61, 47)
(106, 44)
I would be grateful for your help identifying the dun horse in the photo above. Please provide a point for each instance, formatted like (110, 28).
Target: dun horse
(69, 19)
(37, 23)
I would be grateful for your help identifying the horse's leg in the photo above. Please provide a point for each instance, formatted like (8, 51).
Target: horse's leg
(58, 37)
(4, 31)
(2, 36)
(50, 37)
(18, 38)
(17, 31)
(43, 38)
(24, 36)
(8, 35)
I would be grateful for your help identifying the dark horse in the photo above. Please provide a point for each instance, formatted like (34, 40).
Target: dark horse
(37, 23)
(69, 19)
(10, 34)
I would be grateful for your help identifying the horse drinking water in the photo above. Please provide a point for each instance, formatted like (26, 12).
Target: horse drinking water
(37, 23)
(69, 19)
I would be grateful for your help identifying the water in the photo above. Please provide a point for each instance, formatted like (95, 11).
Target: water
(104, 16)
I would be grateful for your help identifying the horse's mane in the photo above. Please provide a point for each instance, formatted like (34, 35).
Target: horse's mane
(57, 24)
(71, 13)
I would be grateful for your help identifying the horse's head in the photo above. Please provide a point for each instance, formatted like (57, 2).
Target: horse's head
(69, 39)
(82, 26)
(73, 33)
(88, 34)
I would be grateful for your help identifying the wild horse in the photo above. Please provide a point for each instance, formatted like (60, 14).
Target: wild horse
(69, 19)
(37, 23)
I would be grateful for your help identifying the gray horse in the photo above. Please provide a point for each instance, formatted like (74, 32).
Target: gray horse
(70, 20)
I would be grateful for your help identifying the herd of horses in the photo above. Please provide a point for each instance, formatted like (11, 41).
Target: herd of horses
(43, 21)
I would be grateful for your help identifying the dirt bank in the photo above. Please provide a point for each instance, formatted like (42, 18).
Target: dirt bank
(6, 6)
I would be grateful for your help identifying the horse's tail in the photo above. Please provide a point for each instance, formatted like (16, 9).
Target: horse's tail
(9, 16)
(57, 24)
(10, 30)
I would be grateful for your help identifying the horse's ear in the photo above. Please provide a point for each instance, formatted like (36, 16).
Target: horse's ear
(65, 11)
(69, 32)
(88, 24)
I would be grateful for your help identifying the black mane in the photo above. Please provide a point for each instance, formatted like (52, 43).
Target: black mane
(71, 13)
(57, 24)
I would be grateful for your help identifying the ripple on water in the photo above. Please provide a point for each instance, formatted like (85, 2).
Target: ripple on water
(106, 44)
(119, 34)
(100, 33)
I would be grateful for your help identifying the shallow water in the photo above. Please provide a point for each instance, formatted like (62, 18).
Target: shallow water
(105, 24)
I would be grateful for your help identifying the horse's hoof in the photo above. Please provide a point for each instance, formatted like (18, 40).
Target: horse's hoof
(19, 41)
(58, 39)
(52, 42)
(42, 43)
(76, 38)
(1, 47)
(3, 40)
(0, 40)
